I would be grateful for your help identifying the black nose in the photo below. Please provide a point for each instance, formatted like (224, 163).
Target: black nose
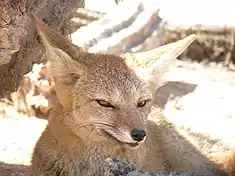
(138, 134)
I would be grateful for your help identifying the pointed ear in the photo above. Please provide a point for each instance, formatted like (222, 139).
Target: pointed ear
(152, 64)
(61, 65)
(55, 39)
(64, 70)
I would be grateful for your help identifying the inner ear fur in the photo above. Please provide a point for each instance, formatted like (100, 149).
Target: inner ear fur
(60, 53)
(152, 64)
(49, 35)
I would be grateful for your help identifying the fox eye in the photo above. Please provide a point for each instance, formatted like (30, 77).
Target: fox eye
(141, 104)
(105, 103)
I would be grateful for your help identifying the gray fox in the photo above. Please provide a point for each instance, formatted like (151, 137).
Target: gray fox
(106, 109)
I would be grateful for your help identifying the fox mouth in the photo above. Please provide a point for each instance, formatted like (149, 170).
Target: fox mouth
(109, 135)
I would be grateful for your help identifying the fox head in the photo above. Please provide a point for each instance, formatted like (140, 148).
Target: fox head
(107, 94)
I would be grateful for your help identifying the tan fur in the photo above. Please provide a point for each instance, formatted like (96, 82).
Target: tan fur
(74, 143)
(225, 161)
(228, 162)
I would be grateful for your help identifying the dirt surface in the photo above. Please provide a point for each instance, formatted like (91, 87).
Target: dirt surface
(199, 98)
(22, 133)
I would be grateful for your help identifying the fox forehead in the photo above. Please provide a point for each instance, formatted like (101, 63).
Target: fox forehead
(109, 76)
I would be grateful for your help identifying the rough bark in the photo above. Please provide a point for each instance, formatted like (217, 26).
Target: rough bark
(19, 47)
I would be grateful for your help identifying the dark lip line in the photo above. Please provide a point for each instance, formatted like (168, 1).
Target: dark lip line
(126, 143)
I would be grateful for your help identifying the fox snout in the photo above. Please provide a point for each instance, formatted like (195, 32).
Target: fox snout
(127, 134)
(138, 135)
(132, 138)
(132, 126)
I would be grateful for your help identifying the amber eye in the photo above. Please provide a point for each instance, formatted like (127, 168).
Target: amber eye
(141, 104)
(105, 103)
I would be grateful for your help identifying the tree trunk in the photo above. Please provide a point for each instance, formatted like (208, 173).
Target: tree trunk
(19, 46)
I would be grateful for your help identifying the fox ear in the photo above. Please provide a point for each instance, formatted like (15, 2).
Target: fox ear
(61, 66)
(55, 39)
(152, 64)
(59, 51)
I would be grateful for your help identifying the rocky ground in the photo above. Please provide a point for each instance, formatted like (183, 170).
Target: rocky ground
(196, 96)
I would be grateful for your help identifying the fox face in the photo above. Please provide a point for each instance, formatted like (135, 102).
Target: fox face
(113, 99)
(109, 96)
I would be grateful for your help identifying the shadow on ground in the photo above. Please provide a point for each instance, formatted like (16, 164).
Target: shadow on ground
(7, 169)
(172, 90)
(180, 153)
